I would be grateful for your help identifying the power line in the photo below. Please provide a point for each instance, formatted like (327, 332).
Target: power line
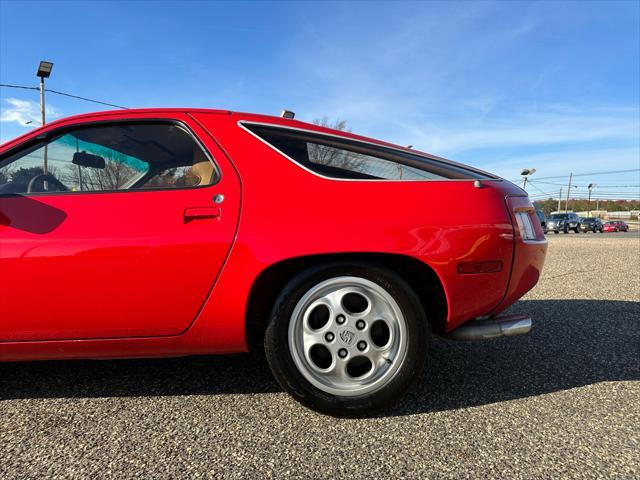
(541, 191)
(64, 94)
(592, 173)
(600, 185)
(578, 194)
(18, 86)
(86, 99)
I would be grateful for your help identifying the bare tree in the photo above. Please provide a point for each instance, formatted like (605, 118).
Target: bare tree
(327, 155)
(336, 124)
(6, 173)
(113, 176)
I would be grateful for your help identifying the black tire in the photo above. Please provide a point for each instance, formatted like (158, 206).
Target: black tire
(291, 379)
(577, 229)
(556, 232)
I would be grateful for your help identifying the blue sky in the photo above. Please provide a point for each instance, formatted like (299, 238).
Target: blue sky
(499, 85)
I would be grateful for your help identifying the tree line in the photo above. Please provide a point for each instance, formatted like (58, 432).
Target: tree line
(582, 205)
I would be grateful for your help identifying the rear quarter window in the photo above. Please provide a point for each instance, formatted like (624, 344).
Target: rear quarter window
(342, 158)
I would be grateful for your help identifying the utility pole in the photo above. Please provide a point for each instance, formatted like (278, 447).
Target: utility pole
(560, 199)
(590, 187)
(566, 204)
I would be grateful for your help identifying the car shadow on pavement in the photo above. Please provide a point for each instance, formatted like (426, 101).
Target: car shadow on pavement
(573, 343)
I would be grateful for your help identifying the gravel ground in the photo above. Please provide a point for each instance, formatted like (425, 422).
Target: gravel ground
(561, 402)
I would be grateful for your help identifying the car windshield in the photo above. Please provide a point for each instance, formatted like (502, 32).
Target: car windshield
(558, 216)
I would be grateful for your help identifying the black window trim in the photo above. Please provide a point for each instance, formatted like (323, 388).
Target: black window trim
(42, 139)
(373, 148)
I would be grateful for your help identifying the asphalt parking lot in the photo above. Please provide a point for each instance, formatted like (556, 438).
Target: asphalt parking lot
(561, 402)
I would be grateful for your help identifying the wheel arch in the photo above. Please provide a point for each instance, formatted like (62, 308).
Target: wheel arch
(423, 280)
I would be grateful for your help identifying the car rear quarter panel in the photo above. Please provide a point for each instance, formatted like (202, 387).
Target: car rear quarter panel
(288, 212)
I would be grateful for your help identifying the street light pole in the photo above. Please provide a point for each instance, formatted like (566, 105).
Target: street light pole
(560, 200)
(45, 166)
(525, 174)
(44, 70)
(42, 100)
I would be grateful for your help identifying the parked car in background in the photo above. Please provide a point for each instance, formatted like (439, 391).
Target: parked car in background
(615, 226)
(542, 218)
(591, 224)
(563, 222)
(622, 226)
(168, 232)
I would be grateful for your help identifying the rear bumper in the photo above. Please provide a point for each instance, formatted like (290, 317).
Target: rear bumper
(492, 327)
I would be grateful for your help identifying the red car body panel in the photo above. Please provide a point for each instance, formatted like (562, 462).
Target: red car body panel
(200, 274)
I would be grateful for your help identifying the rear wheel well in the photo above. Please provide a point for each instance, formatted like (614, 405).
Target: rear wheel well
(268, 285)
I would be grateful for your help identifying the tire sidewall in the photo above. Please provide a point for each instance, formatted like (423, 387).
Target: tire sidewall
(290, 378)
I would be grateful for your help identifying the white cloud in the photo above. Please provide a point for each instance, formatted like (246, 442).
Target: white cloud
(545, 127)
(537, 129)
(24, 112)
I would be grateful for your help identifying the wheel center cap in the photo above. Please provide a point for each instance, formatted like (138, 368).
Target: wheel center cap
(347, 337)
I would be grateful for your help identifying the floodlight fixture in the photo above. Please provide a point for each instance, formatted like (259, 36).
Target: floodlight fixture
(44, 69)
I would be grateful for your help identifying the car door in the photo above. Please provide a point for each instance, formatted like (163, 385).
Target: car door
(113, 228)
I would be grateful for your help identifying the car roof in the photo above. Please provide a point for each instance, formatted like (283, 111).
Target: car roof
(252, 118)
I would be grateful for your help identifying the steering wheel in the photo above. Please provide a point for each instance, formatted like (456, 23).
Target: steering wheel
(49, 178)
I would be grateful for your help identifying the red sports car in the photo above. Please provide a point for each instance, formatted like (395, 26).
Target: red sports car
(615, 226)
(167, 232)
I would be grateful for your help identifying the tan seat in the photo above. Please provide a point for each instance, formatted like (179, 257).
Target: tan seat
(203, 171)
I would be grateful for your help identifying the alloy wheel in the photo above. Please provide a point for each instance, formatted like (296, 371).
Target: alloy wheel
(348, 336)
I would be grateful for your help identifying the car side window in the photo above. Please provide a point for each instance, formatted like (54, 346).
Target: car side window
(111, 157)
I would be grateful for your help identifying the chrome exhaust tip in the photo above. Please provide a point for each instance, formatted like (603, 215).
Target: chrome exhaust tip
(493, 327)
